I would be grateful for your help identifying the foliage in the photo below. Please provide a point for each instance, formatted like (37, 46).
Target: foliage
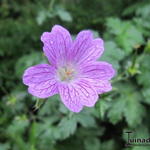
(45, 124)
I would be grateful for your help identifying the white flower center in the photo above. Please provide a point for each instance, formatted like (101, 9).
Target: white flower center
(66, 73)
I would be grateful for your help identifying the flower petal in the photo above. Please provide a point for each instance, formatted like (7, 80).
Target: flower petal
(93, 52)
(101, 86)
(57, 43)
(98, 74)
(41, 80)
(87, 92)
(85, 48)
(97, 70)
(75, 95)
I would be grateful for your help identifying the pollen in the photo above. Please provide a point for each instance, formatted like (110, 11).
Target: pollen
(68, 73)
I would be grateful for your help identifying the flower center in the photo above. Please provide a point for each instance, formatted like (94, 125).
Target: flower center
(66, 73)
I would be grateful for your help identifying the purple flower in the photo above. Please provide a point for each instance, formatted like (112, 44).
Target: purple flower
(73, 71)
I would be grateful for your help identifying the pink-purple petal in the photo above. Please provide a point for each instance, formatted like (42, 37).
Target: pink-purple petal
(93, 52)
(82, 42)
(41, 80)
(78, 94)
(101, 86)
(85, 48)
(45, 92)
(70, 97)
(97, 70)
(57, 45)
(87, 93)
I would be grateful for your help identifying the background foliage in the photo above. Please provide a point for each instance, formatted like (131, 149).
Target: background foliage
(30, 123)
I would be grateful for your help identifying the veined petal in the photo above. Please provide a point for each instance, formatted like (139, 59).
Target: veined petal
(81, 44)
(41, 80)
(93, 52)
(87, 92)
(70, 98)
(78, 94)
(98, 74)
(101, 86)
(85, 48)
(97, 70)
(57, 44)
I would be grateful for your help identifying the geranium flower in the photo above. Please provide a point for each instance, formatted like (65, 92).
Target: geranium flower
(73, 72)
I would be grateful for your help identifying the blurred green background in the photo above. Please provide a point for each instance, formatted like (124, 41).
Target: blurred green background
(28, 123)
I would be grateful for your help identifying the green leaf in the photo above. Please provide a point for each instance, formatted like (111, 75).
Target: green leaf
(112, 54)
(143, 10)
(50, 106)
(126, 34)
(115, 114)
(133, 112)
(127, 105)
(67, 127)
(108, 145)
(27, 61)
(147, 47)
(143, 77)
(41, 17)
(146, 94)
(85, 120)
(63, 14)
(103, 107)
(18, 125)
(5, 146)
(141, 147)
(130, 38)
(92, 143)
